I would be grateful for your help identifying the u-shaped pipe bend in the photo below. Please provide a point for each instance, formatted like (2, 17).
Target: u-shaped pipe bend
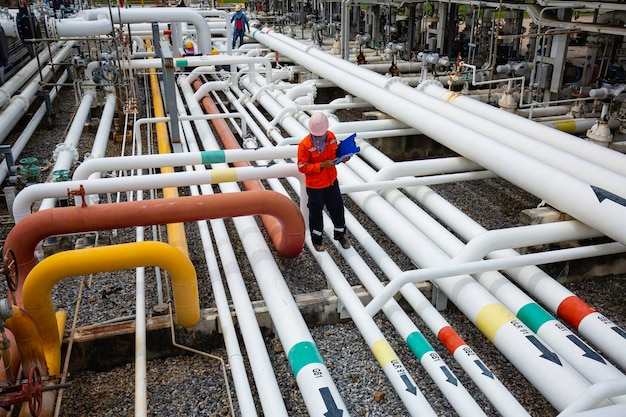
(37, 292)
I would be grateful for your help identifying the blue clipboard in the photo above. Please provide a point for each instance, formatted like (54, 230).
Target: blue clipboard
(346, 149)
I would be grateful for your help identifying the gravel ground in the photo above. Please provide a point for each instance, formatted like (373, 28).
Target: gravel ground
(192, 384)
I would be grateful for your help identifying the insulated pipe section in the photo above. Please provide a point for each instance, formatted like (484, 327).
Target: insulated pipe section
(97, 19)
(38, 286)
(24, 237)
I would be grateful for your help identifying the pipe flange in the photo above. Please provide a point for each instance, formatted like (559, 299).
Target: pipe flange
(50, 26)
(64, 147)
(393, 80)
(426, 83)
(269, 131)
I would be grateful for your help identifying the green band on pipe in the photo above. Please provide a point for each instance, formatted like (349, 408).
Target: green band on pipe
(213, 157)
(303, 354)
(533, 316)
(182, 63)
(418, 344)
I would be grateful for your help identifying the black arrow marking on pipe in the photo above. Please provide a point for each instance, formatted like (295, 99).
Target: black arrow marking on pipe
(545, 352)
(484, 368)
(604, 194)
(589, 353)
(619, 331)
(449, 377)
(331, 405)
(410, 387)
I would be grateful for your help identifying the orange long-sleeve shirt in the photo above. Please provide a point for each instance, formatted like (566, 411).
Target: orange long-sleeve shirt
(309, 160)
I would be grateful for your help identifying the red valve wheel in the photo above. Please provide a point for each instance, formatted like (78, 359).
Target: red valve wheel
(34, 391)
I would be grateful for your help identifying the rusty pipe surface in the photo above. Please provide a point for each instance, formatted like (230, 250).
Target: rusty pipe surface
(24, 237)
(37, 294)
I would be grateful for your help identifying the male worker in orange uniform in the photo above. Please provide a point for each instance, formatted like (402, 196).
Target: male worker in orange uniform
(316, 160)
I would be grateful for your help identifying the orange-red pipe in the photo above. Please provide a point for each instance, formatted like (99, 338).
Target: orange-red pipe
(25, 236)
(230, 142)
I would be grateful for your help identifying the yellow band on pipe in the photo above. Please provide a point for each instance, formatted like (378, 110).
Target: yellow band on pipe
(491, 318)
(37, 292)
(568, 126)
(221, 175)
(383, 352)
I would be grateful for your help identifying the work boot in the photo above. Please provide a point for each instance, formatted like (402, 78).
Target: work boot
(345, 243)
(319, 247)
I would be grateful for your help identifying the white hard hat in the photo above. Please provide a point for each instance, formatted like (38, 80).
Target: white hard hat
(237, 8)
(318, 124)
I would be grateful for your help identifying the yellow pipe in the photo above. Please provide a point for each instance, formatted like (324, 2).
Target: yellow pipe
(37, 292)
(175, 231)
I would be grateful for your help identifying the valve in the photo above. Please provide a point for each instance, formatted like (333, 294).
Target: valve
(9, 268)
(29, 391)
(29, 170)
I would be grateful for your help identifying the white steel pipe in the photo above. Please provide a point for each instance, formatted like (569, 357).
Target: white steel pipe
(421, 246)
(591, 365)
(30, 128)
(147, 14)
(90, 166)
(478, 371)
(456, 393)
(309, 369)
(264, 378)
(20, 103)
(538, 178)
(399, 377)
(241, 300)
(66, 153)
(560, 140)
(595, 327)
(16, 81)
(595, 174)
(595, 394)
(495, 391)
(510, 336)
(25, 198)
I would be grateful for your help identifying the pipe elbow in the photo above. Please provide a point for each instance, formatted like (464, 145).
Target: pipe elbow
(289, 232)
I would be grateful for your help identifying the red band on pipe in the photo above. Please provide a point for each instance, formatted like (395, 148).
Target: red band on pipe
(167, 32)
(450, 339)
(573, 310)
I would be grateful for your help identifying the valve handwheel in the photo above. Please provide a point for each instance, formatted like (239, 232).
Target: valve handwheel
(33, 391)
(10, 270)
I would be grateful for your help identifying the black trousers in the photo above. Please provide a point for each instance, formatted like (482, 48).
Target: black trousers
(332, 199)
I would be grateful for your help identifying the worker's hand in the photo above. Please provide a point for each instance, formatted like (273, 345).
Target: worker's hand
(327, 163)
